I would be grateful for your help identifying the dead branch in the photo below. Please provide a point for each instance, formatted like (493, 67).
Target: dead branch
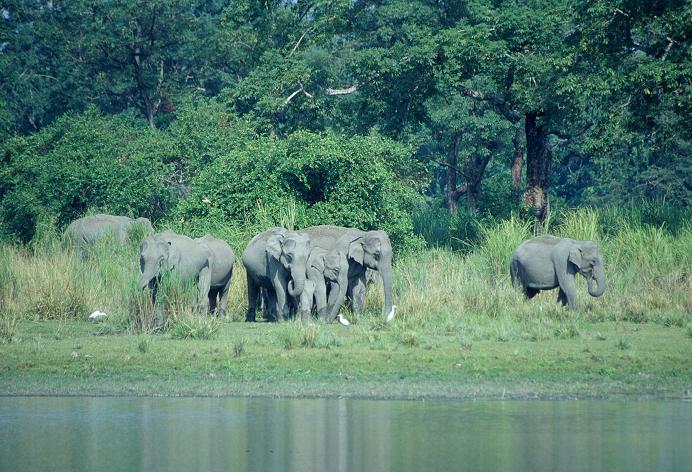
(343, 91)
(670, 45)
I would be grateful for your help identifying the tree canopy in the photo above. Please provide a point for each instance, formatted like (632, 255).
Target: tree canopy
(486, 105)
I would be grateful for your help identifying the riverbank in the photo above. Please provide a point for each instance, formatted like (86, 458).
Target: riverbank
(606, 360)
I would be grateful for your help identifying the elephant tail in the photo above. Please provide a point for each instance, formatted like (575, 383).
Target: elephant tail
(514, 272)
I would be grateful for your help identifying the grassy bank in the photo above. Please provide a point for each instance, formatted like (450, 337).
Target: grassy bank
(461, 330)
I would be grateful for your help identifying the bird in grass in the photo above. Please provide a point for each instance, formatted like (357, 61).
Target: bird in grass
(97, 315)
(342, 320)
(390, 316)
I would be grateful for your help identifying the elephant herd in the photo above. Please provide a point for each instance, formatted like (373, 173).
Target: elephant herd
(289, 273)
(293, 273)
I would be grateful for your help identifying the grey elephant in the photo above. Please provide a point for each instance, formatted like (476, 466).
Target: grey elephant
(364, 250)
(85, 232)
(206, 261)
(272, 259)
(221, 274)
(328, 271)
(548, 262)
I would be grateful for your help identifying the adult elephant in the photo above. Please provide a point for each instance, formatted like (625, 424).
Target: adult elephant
(548, 262)
(207, 261)
(364, 250)
(275, 260)
(84, 232)
(221, 273)
(328, 270)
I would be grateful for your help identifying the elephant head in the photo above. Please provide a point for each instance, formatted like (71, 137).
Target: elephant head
(586, 257)
(291, 250)
(373, 250)
(154, 253)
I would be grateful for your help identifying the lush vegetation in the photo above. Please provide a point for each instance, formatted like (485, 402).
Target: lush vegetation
(461, 329)
(487, 106)
(460, 128)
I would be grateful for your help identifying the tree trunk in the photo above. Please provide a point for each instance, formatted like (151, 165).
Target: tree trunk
(452, 159)
(474, 169)
(538, 161)
(517, 164)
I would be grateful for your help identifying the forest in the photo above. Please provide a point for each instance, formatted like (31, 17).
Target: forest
(416, 117)
(461, 128)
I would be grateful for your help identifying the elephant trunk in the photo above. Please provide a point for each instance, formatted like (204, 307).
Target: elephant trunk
(386, 273)
(599, 276)
(298, 276)
(148, 274)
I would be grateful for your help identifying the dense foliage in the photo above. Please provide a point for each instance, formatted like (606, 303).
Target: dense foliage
(307, 179)
(246, 112)
(80, 163)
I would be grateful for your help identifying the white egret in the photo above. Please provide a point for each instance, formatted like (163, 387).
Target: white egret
(390, 316)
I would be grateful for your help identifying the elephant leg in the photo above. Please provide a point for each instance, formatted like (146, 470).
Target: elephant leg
(569, 289)
(269, 298)
(530, 292)
(321, 300)
(223, 302)
(337, 295)
(154, 288)
(213, 296)
(280, 283)
(252, 294)
(562, 297)
(203, 287)
(357, 286)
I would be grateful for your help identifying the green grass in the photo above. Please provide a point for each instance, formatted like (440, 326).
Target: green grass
(655, 361)
(461, 329)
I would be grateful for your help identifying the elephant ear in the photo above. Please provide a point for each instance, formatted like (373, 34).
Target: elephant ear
(355, 252)
(575, 256)
(274, 246)
(317, 262)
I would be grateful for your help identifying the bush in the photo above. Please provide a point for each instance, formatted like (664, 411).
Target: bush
(367, 182)
(82, 161)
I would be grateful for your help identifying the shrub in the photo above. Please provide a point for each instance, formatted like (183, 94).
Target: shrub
(82, 161)
(306, 179)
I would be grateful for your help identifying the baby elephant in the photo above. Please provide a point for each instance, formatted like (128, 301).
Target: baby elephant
(303, 304)
(548, 262)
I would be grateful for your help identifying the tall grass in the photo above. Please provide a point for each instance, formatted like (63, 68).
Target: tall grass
(468, 294)
(46, 281)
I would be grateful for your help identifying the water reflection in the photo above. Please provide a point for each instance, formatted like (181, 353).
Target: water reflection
(61, 434)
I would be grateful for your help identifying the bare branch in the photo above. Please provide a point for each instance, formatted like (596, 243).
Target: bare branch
(670, 45)
(343, 91)
(290, 97)
(300, 40)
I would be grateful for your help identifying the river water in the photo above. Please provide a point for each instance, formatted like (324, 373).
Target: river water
(259, 434)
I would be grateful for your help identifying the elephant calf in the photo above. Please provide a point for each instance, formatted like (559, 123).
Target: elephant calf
(206, 261)
(548, 262)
